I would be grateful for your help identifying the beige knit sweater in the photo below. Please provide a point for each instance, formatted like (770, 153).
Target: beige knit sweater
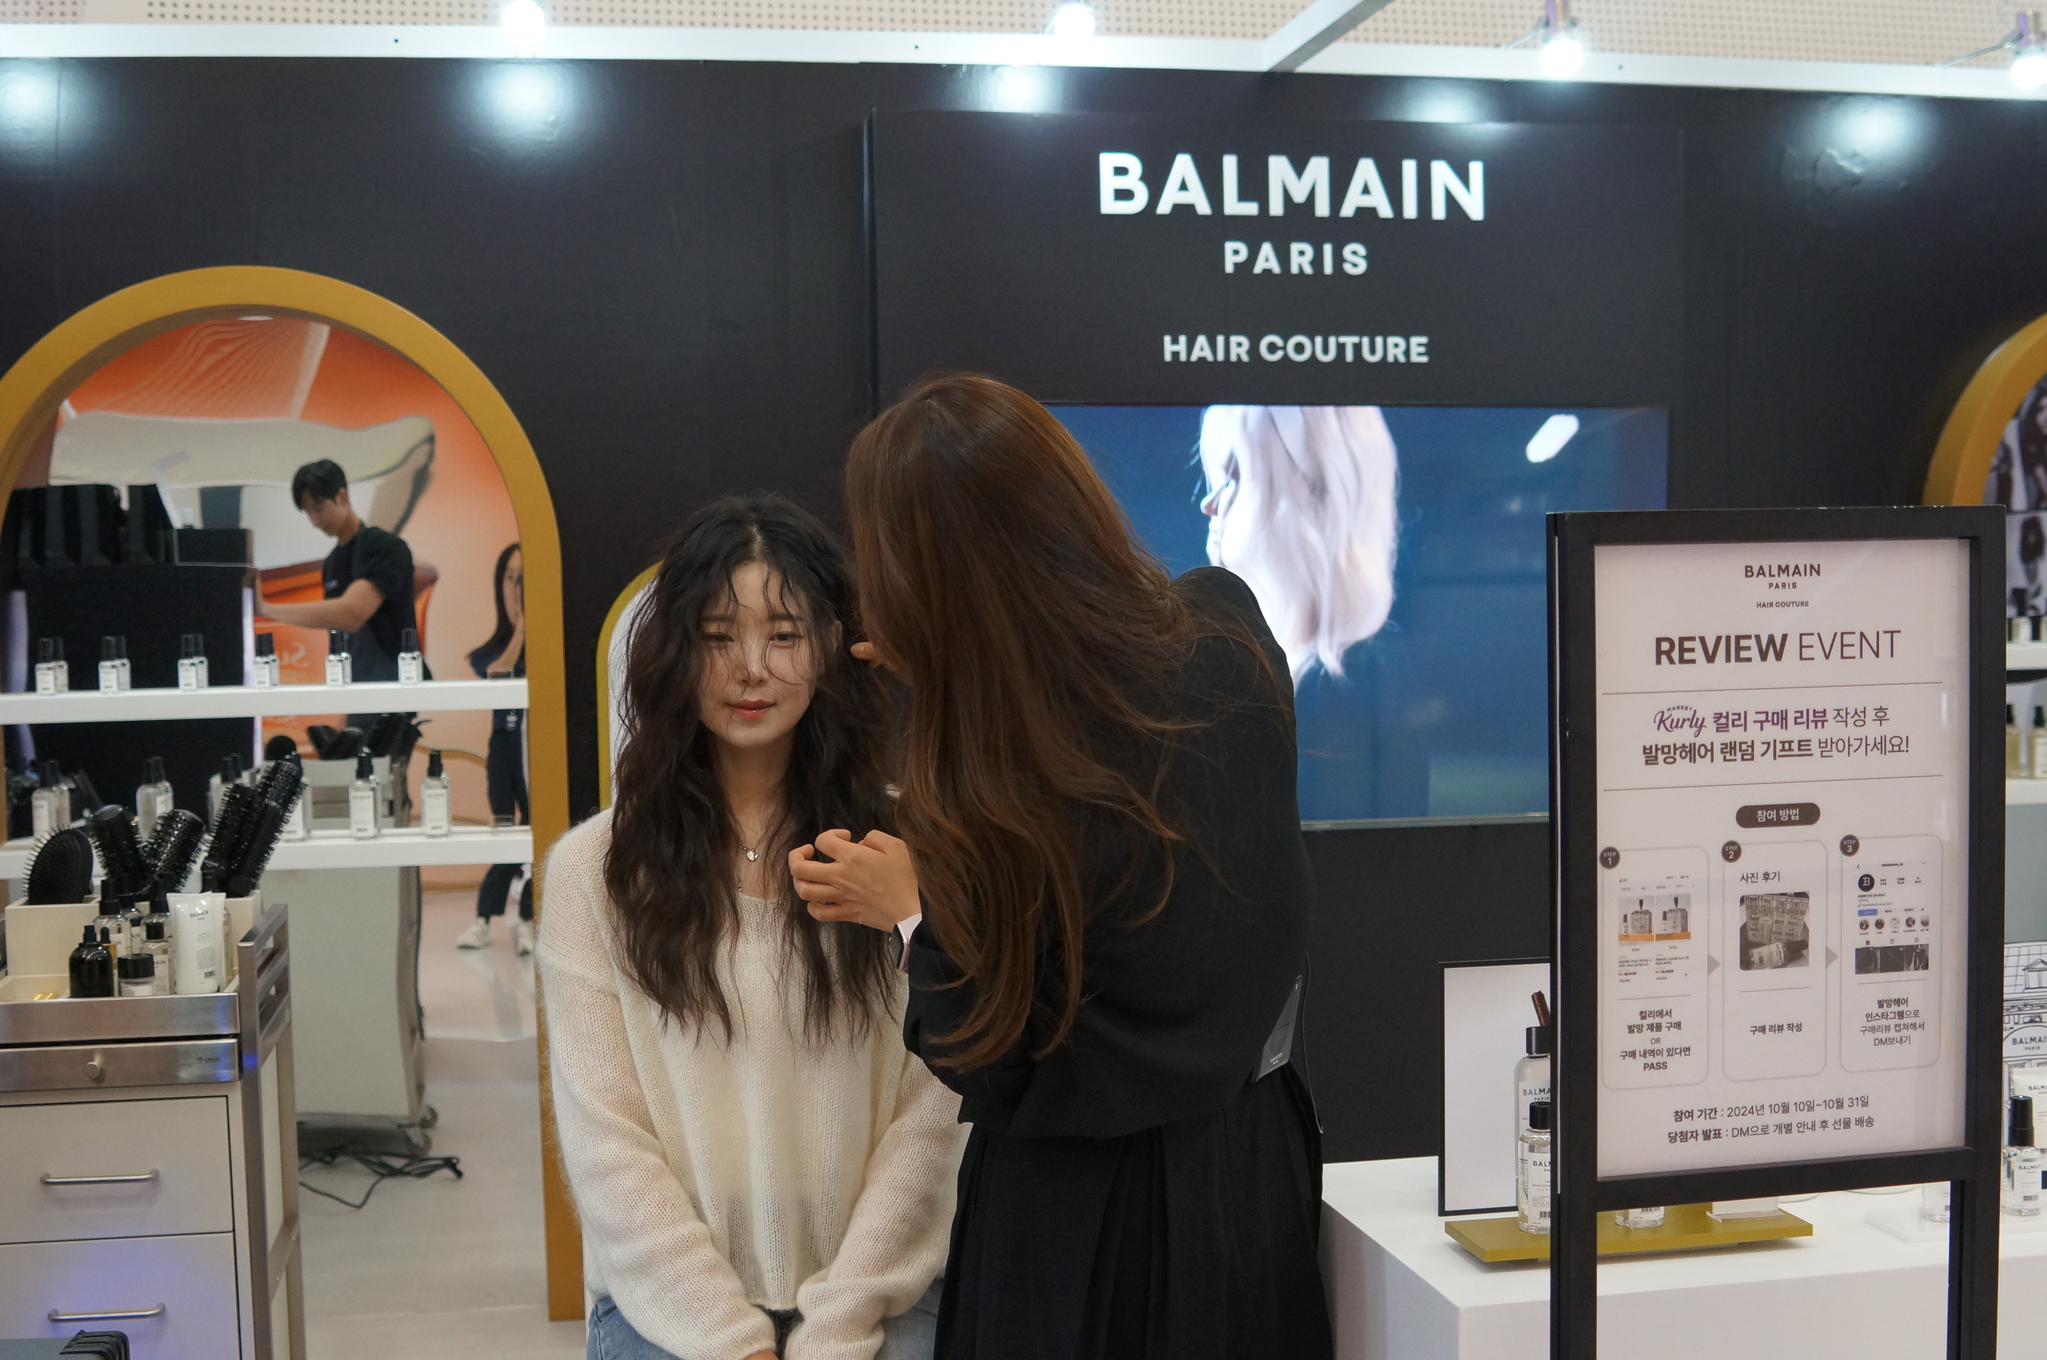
(712, 1177)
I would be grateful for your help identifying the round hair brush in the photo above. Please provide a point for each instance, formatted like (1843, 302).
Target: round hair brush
(174, 847)
(120, 850)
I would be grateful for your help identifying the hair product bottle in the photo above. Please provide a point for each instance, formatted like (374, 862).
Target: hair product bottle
(192, 671)
(156, 942)
(1532, 1171)
(436, 815)
(115, 674)
(152, 797)
(411, 664)
(2036, 743)
(49, 809)
(195, 942)
(138, 975)
(53, 673)
(92, 966)
(362, 800)
(1531, 1075)
(1639, 1218)
(265, 675)
(2014, 746)
(2021, 1162)
(339, 672)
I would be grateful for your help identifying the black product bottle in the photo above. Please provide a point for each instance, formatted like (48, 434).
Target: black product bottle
(92, 966)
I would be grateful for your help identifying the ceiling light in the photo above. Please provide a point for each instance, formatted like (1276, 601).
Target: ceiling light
(524, 23)
(1074, 19)
(1549, 441)
(1561, 49)
(2029, 53)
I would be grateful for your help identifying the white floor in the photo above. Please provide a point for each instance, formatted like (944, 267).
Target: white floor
(441, 1267)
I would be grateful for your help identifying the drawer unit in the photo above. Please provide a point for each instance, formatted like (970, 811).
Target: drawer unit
(99, 1067)
(173, 1296)
(116, 1168)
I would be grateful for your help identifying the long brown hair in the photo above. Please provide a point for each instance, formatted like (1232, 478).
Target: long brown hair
(999, 577)
(669, 869)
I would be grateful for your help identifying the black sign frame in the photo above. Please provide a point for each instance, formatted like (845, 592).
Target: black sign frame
(1973, 1169)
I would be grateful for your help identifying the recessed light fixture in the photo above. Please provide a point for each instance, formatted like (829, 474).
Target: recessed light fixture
(2028, 48)
(1073, 19)
(1560, 45)
(524, 23)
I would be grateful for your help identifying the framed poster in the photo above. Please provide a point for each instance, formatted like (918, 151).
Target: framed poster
(1780, 841)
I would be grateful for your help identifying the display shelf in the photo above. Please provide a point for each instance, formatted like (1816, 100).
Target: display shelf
(2025, 656)
(242, 701)
(339, 850)
(2018, 792)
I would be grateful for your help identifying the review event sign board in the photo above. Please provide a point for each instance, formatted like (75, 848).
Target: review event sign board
(1783, 822)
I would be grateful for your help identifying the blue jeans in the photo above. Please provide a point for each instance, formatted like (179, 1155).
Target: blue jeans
(909, 1336)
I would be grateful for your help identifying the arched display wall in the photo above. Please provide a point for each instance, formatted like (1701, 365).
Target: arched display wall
(30, 393)
(611, 641)
(1968, 442)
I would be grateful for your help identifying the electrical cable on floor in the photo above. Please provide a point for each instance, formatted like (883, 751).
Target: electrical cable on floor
(381, 1167)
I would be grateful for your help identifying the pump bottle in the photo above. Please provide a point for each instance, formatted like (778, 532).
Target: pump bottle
(339, 671)
(362, 800)
(152, 797)
(53, 673)
(2021, 1162)
(1532, 1171)
(411, 664)
(436, 816)
(115, 675)
(265, 675)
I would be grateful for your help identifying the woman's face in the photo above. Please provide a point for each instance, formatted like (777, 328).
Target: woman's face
(515, 585)
(1235, 520)
(760, 663)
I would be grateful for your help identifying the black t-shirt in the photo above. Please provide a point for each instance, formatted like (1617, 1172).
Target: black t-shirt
(381, 558)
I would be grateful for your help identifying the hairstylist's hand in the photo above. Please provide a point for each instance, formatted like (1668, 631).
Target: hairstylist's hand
(871, 880)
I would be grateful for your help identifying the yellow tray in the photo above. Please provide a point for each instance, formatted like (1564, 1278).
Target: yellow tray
(1686, 1227)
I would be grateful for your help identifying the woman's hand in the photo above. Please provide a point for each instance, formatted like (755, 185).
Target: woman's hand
(871, 880)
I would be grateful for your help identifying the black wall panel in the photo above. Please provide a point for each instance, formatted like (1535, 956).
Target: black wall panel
(662, 267)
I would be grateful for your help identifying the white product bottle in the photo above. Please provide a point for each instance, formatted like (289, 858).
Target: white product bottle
(195, 942)
(339, 671)
(362, 800)
(115, 673)
(411, 664)
(192, 672)
(152, 797)
(53, 673)
(1531, 1075)
(49, 808)
(2021, 1162)
(266, 675)
(436, 815)
(1532, 1171)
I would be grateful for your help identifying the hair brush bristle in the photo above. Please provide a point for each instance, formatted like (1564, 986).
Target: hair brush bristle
(263, 835)
(231, 829)
(174, 848)
(120, 852)
(62, 868)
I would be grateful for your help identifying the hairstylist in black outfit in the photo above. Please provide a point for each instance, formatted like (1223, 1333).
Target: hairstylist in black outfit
(505, 761)
(367, 580)
(1098, 808)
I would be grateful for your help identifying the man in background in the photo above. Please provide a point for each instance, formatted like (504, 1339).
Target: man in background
(368, 579)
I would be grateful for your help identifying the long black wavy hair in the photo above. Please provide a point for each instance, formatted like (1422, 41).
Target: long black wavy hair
(501, 637)
(669, 869)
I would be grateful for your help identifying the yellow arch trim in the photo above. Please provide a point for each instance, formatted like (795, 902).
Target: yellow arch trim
(31, 390)
(1968, 442)
(612, 618)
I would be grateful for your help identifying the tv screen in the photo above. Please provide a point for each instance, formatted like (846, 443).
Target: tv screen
(1397, 553)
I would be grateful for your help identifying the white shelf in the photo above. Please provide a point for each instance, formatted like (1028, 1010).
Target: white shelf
(2025, 656)
(2017, 791)
(240, 701)
(339, 850)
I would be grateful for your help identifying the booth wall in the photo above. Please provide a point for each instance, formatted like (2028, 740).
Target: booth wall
(663, 268)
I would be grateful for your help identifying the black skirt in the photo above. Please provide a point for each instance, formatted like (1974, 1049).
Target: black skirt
(1191, 1241)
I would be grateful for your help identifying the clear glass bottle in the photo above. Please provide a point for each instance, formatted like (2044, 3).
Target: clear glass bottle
(339, 671)
(1532, 1171)
(2014, 746)
(53, 673)
(1639, 1218)
(2021, 1162)
(1933, 1201)
(266, 674)
(411, 663)
(115, 673)
(152, 797)
(1531, 1075)
(156, 942)
(192, 669)
(49, 806)
(112, 922)
(436, 812)
(362, 800)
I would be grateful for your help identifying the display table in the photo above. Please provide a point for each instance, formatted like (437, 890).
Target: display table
(1400, 1289)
